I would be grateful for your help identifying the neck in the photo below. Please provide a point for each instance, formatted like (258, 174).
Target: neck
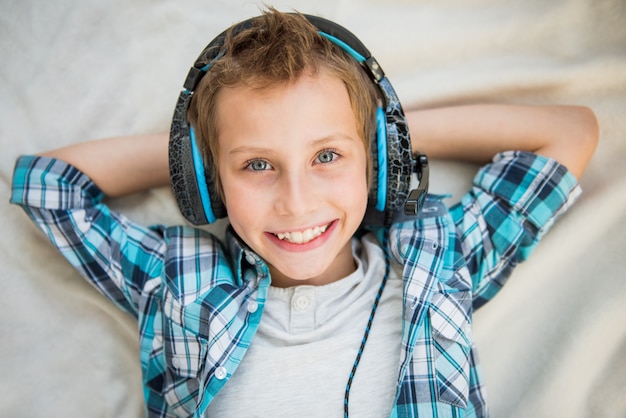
(343, 265)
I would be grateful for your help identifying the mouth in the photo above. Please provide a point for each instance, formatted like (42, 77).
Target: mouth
(302, 237)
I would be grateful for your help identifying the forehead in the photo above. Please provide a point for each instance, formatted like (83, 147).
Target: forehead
(323, 80)
(311, 104)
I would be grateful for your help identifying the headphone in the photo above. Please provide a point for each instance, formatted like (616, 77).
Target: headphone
(394, 163)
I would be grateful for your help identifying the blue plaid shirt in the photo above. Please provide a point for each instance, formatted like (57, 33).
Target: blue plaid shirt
(199, 301)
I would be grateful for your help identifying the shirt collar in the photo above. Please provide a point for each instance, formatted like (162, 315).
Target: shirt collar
(244, 258)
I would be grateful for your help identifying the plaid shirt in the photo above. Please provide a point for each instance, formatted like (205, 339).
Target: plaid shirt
(199, 302)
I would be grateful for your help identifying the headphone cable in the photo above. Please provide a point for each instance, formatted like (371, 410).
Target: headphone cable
(368, 327)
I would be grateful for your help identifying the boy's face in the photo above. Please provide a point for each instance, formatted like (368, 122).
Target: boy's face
(293, 170)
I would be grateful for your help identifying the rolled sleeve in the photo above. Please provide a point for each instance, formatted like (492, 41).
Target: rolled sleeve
(538, 188)
(116, 255)
(42, 182)
(513, 202)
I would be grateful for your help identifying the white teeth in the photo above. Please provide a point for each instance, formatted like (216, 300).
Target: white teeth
(302, 237)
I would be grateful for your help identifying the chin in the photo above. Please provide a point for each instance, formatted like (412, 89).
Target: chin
(287, 277)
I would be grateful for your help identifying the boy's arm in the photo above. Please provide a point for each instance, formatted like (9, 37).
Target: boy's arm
(516, 199)
(120, 165)
(475, 133)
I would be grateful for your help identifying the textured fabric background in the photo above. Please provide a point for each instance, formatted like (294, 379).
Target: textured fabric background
(553, 343)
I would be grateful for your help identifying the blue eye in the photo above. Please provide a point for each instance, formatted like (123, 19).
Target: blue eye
(258, 165)
(326, 157)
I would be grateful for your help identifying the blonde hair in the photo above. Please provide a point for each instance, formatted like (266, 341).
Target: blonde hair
(276, 49)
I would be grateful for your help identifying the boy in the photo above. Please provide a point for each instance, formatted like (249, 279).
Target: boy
(270, 321)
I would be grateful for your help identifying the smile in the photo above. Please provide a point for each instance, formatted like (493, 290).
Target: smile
(302, 237)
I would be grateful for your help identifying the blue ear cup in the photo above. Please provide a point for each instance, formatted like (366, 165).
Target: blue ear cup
(393, 161)
(381, 160)
(200, 171)
(192, 184)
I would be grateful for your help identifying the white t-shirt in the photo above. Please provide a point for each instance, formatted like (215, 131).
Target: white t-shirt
(301, 357)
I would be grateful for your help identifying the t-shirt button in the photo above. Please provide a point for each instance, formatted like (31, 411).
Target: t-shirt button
(252, 307)
(221, 373)
(301, 303)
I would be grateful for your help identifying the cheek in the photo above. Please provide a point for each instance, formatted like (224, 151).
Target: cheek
(363, 191)
(244, 217)
(237, 199)
(353, 189)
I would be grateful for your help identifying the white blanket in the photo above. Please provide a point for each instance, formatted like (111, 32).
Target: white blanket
(552, 344)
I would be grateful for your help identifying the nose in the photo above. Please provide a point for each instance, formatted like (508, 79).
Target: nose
(296, 193)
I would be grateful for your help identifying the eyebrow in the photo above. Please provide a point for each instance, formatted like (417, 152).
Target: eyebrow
(250, 149)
